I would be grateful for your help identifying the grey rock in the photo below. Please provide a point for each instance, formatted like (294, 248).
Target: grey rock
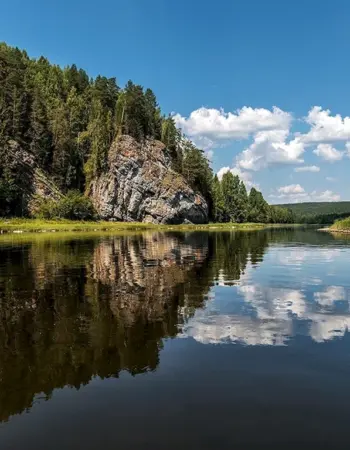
(34, 182)
(140, 185)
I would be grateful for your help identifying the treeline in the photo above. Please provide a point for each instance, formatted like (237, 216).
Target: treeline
(319, 212)
(68, 121)
(232, 203)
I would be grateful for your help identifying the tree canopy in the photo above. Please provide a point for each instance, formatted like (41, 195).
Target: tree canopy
(68, 121)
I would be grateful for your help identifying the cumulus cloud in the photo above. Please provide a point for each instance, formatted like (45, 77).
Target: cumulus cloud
(246, 177)
(294, 193)
(269, 138)
(274, 312)
(271, 147)
(325, 127)
(326, 196)
(328, 153)
(291, 189)
(216, 124)
(331, 179)
(307, 169)
(330, 296)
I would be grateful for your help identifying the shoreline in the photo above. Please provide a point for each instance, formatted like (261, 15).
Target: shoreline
(20, 226)
(336, 230)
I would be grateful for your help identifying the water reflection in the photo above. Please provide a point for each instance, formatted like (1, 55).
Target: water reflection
(71, 310)
(290, 295)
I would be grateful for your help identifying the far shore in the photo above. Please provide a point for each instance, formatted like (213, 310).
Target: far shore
(336, 230)
(14, 226)
(340, 226)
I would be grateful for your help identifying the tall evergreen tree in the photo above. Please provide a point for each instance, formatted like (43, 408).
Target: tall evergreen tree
(153, 116)
(41, 139)
(242, 203)
(219, 213)
(99, 133)
(230, 189)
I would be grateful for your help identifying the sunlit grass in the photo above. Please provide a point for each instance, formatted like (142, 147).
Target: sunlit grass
(342, 225)
(47, 226)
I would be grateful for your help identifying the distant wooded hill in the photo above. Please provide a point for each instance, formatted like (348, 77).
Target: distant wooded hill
(319, 212)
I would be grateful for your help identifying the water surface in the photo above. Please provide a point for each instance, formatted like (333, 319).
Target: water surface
(214, 340)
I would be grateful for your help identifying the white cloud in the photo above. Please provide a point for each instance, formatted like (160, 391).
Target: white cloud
(326, 128)
(295, 193)
(331, 295)
(347, 146)
(326, 196)
(222, 172)
(328, 153)
(246, 177)
(331, 179)
(272, 321)
(216, 124)
(209, 154)
(307, 169)
(271, 147)
(270, 141)
(291, 189)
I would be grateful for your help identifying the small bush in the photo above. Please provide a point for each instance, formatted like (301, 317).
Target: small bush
(73, 206)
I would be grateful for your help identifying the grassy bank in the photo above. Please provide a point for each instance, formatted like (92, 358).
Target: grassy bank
(51, 226)
(341, 226)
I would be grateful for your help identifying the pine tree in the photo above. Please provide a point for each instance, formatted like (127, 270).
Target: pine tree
(39, 132)
(153, 116)
(230, 188)
(99, 133)
(218, 201)
(196, 169)
(105, 90)
(62, 141)
(258, 207)
(242, 203)
(120, 114)
(135, 118)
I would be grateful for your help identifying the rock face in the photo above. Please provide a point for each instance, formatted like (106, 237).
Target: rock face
(34, 182)
(140, 185)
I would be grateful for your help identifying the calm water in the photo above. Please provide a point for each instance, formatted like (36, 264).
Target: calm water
(175, 341)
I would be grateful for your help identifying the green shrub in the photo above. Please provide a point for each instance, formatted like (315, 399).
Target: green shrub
(73, 206)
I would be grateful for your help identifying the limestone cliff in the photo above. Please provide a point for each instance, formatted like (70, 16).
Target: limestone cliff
(140, 185)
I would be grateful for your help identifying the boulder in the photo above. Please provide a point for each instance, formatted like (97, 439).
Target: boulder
(140, 185)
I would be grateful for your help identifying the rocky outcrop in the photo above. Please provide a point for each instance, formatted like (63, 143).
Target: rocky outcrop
(140, 185)
(33, 181)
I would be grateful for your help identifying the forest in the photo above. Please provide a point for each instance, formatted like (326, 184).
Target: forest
(318, 212)
(68, 120)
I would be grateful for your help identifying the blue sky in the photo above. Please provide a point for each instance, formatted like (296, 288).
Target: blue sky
(221, 67)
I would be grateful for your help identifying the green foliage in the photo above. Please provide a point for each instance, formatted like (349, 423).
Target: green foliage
(319, 212)
(73, 206)
(68, 122)
(231, 203)
(218, 208)
(99, 133)
(196, 169)
(343, 225)
(258, 207)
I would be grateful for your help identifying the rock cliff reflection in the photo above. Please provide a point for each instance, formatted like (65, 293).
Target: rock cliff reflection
(71, 310)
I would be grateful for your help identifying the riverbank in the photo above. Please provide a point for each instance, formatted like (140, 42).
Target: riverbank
(340, 226)
(52, 226)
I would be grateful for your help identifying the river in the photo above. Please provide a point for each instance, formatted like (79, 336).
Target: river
(208, 340)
